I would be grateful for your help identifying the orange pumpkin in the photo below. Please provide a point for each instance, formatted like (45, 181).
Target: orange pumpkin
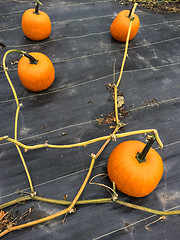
(120, 25)
(36, 71)
(133, 175)
(36, 24)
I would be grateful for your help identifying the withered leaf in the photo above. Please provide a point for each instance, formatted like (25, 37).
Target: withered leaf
(2, 214)
(100, 121)
(120, 101)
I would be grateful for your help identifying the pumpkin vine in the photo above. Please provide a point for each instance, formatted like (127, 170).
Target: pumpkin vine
(16, 116)
(70, 204)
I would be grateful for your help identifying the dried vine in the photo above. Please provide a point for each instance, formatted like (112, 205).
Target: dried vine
(107, 139)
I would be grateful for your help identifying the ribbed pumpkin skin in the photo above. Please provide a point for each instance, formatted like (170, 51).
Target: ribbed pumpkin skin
(36, 26)
(131, 177)
(36, 77)
(120, 25)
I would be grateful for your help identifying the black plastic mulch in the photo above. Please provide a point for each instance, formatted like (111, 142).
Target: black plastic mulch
(83, 53)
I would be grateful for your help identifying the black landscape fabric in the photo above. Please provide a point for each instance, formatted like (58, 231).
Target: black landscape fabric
(79, 107)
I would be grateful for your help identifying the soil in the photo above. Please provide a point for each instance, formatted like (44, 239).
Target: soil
(162, 6)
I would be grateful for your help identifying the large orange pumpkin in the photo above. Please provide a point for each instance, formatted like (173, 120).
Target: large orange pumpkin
(120, 25)
(36, 24)
(36, 71)
(132, 176)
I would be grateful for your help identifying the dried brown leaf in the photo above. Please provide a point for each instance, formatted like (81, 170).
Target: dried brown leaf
(120, 101)
(100, 121)
(2, 215)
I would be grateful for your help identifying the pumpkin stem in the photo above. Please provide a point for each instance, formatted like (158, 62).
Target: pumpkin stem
(31, 58)
(130, 12)
(141, 157)
(37, 6)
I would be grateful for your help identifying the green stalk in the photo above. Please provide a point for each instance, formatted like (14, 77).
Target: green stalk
(123, 61)
(120, 135)
(90, 201)
(17, 114)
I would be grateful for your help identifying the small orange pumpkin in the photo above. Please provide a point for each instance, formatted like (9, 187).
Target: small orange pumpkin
(120, 25)
(36, 71)
(36, 24)
(133, 175)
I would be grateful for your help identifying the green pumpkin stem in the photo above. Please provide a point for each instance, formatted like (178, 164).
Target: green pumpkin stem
(31, 58)
(141, 157)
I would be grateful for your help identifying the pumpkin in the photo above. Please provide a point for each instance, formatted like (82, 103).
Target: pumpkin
(135, 175)
(120, 26)
(36, 24)
(36, 71)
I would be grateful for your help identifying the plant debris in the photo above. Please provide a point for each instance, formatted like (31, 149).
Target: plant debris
(122, 112)
(73, 210)
(64, 133)
(162, 6)
(2, 46)
(110, 118)
(14, 62)
(161, 218)
(120, 101)
(2, 215)
(151, 103)
(65, 197)
(8, 219)
(120, 98)
(100, 120)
